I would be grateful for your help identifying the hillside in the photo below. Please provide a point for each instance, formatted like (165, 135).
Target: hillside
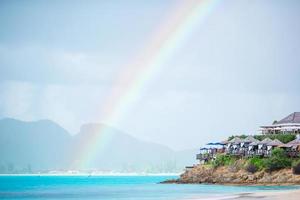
(246, 160)
(44, 145)
(236, 176)
(36, 145)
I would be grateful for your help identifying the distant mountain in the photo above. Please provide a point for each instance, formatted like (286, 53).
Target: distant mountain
(44, 145)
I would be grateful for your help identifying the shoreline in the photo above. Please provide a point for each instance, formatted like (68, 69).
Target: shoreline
(93, 174)
(269, 195)
(237, 175)
(231, 184)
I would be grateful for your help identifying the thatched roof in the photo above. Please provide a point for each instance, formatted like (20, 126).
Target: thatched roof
(235, 140)
(275, 143)
(253, 144)
(286, 145)
(250, 139)
(295, 142)
(265, 141)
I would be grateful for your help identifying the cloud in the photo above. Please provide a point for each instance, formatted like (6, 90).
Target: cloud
(185, 119)
(17, 99)
(238, 71)
(56, 66)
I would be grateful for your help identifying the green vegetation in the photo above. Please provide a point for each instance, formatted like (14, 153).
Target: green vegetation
(296, 167)
(255, 164)
(223, 160)
(278, 160)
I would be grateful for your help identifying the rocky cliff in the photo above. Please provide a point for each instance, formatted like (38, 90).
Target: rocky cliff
(232, 176)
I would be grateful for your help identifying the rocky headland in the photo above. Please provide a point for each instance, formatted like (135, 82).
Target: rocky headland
(232, 175)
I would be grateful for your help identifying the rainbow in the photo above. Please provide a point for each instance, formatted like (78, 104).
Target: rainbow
(166, 39)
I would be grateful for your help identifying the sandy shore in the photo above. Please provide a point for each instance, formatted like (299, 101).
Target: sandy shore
(287, 195)
(274, 195)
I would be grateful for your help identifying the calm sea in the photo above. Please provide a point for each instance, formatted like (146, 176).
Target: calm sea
(111, 188)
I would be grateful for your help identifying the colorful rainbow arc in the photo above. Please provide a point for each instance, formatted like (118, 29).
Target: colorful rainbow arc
(180, 23)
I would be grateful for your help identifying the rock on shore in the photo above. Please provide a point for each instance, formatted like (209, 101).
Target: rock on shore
(232, 176)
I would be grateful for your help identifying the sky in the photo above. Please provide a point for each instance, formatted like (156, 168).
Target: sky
(237, 69)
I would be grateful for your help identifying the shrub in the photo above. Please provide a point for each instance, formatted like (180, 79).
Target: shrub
(278, 160)
(255, 163)
(223, 160)
(296, 167)
(251, 168)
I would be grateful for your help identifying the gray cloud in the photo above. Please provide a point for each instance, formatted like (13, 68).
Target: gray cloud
(238, 70)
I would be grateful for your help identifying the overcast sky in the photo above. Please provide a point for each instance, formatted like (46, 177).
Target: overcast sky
(238, 70)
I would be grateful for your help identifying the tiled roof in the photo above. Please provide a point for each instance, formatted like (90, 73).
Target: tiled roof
(292, 118)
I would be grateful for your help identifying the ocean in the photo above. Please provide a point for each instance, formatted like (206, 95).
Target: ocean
(114, 188)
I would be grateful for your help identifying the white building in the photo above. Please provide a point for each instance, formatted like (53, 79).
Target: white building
(288, 125)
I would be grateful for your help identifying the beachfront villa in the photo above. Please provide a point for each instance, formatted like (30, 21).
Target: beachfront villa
(250, 146)
(288, 125)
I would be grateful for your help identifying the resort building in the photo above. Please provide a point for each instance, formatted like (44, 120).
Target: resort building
(288, 125)
(250, 146)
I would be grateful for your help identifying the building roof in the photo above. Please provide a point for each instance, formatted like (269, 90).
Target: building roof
(253, 144)
(275, 142)
(204, 148)
(224, 142)
(292, 118)
(215, 143)
(265, 141)
(294, 142)
(236, 140)
(250, 139)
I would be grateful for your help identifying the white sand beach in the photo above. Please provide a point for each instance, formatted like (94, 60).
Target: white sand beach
(272, 195)
(288, 195)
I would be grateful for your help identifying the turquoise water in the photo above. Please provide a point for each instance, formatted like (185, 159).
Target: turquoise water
(112, 188)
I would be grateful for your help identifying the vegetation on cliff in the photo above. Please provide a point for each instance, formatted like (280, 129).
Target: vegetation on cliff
(278, 169)
(296, 167)
(260, 159)
(255, 164)
(278, 160)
